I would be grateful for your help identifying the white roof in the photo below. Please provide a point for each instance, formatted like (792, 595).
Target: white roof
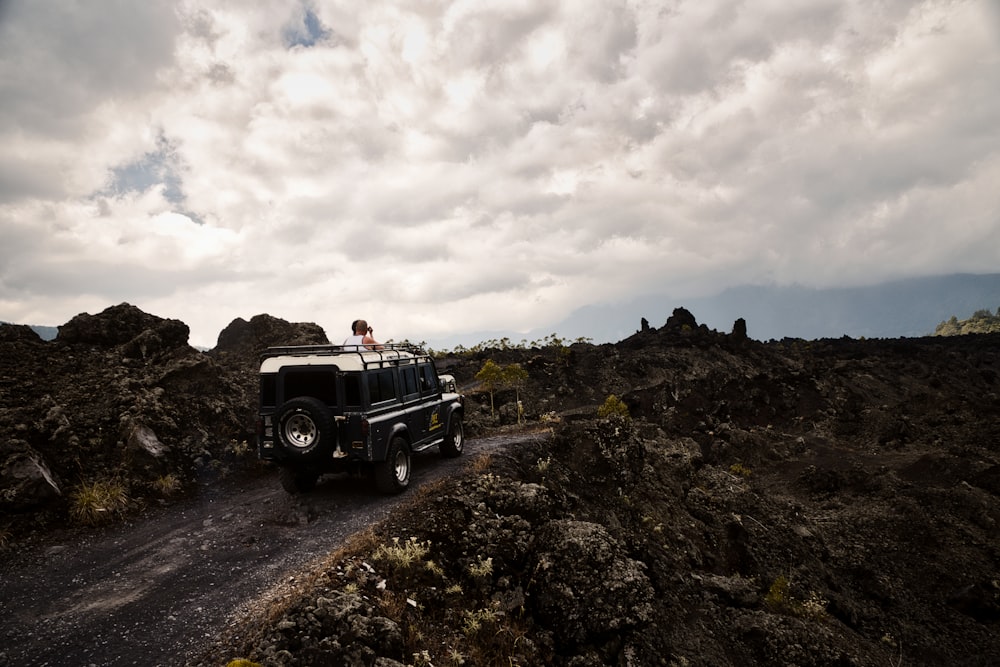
(342, 359)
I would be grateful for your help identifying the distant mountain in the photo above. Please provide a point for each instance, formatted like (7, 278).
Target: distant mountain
(45, 333)
(904, 308)
(898, 309)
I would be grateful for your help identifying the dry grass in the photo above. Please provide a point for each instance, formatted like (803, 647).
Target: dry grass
(482, 463)
(166, 485)
(94, 503)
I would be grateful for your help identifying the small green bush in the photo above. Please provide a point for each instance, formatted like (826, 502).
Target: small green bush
(242, 662)
(613, 407)
(740, 470)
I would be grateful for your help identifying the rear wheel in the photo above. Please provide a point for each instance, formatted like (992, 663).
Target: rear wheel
(393, 474)
(454, 442)
(297, 481)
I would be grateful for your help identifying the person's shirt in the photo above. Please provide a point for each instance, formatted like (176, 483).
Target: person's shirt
(355, 342)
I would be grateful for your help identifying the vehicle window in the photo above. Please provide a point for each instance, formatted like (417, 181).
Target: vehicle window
(428, 379)
(316, 382)
(410, 381)
(269, 390)
(381, 386)
(352, 391)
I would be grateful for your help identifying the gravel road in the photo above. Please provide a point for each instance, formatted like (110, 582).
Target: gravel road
(158, 589)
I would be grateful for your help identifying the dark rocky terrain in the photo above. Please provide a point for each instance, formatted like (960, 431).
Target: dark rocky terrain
(829, 502)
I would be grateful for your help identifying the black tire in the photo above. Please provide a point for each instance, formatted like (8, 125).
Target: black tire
(454, 442)
(297, 481)
(393, 474)
(306, 429)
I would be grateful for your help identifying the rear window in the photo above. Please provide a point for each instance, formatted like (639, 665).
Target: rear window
(319, 383)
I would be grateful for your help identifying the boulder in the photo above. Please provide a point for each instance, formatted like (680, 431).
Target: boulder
(25, 480)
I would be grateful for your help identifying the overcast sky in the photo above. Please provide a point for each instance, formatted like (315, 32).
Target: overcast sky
(440, 167)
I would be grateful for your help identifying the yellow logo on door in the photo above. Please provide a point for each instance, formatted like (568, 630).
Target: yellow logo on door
(435, 422)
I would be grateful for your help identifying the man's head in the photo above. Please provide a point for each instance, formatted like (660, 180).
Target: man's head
(360, 327)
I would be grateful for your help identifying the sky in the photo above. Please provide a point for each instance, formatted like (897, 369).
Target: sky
(442, 167)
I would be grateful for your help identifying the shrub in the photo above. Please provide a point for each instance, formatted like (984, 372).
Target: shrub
(613, 407)
(740, 470)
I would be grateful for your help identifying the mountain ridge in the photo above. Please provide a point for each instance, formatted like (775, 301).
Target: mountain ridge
(906, 308)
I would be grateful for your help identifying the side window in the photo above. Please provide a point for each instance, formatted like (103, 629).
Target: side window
(381, 386)
(352, 391)
(410, 387)
(428, 379)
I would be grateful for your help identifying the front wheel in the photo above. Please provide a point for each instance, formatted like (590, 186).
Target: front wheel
(454, 442)
(393, 474)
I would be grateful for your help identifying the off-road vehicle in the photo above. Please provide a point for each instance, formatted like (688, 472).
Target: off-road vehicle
(334, 408)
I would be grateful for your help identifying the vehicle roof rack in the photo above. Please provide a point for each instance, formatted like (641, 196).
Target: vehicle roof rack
(366, 354)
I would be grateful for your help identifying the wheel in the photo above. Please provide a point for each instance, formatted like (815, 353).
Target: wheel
(306, 429)
(296, 481)
(393, 474)
(454, 442)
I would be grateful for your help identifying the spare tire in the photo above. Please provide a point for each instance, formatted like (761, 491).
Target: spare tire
(306, 429)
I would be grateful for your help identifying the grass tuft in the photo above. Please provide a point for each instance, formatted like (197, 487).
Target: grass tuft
(166, 485)
(401, 555)
(94, 503)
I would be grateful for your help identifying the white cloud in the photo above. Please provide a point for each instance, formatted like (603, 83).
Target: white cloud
(484, 165)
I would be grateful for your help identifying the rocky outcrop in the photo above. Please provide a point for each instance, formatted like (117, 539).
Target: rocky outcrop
(125, 324)
(681, 321)
(25, 481)
(241, 343)
(122, 394)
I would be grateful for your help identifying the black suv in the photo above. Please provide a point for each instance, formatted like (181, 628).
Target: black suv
(334, 408)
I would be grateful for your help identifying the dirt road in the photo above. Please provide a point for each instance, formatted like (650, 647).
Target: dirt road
(156, 590)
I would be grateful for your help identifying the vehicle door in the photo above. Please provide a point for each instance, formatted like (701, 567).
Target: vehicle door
(430, 396)
(384, 410)
(416, 417)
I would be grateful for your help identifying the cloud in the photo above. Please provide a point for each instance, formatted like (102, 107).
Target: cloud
(485, 165)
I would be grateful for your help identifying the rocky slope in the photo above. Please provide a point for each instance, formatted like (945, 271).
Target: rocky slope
(795, 502)
(121, 398)
(799, 503)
